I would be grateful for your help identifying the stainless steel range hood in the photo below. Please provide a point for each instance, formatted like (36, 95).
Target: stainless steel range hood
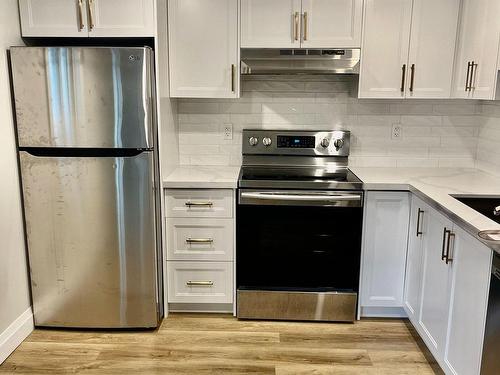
(300, 61)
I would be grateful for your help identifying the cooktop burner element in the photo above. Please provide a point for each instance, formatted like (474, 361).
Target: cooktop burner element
(297, 160)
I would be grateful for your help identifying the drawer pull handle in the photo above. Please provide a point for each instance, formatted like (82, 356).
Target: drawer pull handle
(199, 204)
(199, 240)
(200, 283)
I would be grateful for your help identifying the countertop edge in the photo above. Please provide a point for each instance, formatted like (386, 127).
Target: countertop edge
(462, 223)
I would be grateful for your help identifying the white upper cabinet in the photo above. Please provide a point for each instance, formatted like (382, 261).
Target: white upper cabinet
(432, 48)
(413, 280)
(436, 284)
(408, 48)
(203, 48)
(384, 249)
(469, 300)
(476, 68)
(384, 51)
(121, 18)
(270, 24)
(331, 23)
(301, 23)
(84, 18)
(53, 18)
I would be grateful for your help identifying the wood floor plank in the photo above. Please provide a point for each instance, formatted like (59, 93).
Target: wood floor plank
(220, 344)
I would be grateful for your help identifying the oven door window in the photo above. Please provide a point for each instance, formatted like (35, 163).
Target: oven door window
(298, 247)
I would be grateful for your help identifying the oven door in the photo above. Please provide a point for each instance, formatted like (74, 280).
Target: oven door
(299, 240)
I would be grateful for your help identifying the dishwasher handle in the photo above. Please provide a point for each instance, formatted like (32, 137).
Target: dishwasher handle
(302, 198)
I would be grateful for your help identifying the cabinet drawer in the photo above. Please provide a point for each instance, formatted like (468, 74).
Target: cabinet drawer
(200, 282)
(199, 203)
(200, 239)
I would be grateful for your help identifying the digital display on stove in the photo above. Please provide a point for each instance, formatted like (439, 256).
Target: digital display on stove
(291, 141)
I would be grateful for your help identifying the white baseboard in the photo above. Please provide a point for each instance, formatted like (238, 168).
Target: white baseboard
(15, 334)
(383, 312)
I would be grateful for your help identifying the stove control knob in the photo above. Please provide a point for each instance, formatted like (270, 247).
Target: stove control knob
(339, 143)
(325, 142)
(267, 141)
(253, 141)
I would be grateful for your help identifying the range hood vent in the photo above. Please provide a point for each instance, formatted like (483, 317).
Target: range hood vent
(300, 61)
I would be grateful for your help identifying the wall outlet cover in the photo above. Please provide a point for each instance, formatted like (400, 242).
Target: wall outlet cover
(227, 131)
(397, 131)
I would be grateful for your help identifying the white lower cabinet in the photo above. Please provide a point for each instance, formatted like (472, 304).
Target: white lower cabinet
(200, 249)
(200, 239)
(200, 282)
(384, 252)
(436, 284)
(469, 298)
(446, 289)
(414, 259)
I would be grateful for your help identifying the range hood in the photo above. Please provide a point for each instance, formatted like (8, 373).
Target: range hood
(300, 61)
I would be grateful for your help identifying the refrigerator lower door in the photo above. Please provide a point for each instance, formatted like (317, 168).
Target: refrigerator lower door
(90, 225)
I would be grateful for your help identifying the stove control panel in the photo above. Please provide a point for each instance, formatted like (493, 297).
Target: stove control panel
(300, 143)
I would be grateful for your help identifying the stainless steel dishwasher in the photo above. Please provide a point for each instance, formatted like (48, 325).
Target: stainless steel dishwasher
(491, 349)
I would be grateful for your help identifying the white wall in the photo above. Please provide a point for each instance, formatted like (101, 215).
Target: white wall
(435, 133)
(14, 286)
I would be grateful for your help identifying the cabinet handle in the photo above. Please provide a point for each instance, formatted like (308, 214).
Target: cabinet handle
(91, 14)
(412, 76)
(199, 204)
(467, 78)
(232, 77)
(473, 76)
(200, 283)
(296, 26)
(403, 76)
(199, 240)
(80, 15)
(419, 232)
(443, 256)
(450, 236)
(305, 26)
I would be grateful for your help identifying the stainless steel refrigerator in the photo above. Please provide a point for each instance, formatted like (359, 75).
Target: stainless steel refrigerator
(86, 138)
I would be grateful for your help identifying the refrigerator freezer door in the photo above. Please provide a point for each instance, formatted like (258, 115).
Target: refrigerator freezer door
(83, 97)
(91, 239)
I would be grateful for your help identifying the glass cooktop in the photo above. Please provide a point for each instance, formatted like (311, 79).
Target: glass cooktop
(298, 177)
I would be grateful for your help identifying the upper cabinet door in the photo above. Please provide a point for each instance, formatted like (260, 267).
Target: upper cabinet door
(384, 51)
(432, 48)
(476, 66)
(331, 23)
(53, 18)
(121, 18)
(270, 24)
(203, 48)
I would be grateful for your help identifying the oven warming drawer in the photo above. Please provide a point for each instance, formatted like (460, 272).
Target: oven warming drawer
(292, 305)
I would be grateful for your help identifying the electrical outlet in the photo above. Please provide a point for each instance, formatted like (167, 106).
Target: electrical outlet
(227, 130)
(397, 131)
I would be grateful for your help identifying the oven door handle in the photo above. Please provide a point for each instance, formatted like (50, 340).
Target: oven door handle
(308, 199)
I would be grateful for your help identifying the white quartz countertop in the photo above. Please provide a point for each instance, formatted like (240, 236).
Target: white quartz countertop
(203, 177)
(435, 186)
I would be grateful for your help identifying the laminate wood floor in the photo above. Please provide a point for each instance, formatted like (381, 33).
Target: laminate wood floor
(220, 344)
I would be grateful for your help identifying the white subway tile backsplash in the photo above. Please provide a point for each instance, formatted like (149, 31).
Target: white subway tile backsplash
(441, 133)
(488, 142)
